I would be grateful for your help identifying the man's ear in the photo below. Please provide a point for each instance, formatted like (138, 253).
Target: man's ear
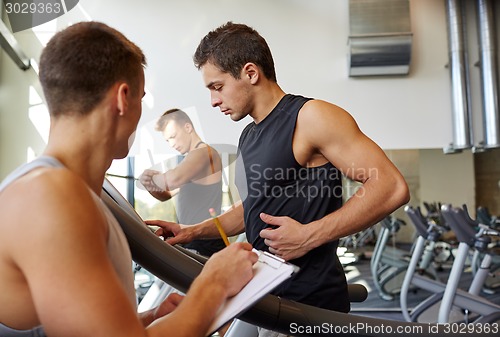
(188, 127)
(122, 97)
(250, 72)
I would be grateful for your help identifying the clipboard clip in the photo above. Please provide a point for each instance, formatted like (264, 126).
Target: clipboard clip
(273, 260)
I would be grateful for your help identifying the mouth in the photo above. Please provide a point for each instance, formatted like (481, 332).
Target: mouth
(225, 111)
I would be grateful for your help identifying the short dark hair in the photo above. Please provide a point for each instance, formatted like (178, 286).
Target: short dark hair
(81, 62)
(176, 115)
(231, 46)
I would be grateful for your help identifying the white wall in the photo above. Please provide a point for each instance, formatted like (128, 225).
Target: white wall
(18, 136)
(309, 43)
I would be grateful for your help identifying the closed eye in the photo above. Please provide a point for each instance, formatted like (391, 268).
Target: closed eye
(214, 86)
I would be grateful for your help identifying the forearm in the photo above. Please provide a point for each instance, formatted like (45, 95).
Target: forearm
(171, 180)
(168, 181)
(366, 207)
(176, 177)
(232, 222)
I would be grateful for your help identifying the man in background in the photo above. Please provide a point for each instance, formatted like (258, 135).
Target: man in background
(196, 181)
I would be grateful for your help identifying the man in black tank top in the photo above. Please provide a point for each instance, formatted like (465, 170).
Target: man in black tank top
(291, 158)
(196, 181)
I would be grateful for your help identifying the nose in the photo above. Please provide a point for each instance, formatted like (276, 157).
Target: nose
(215, 100)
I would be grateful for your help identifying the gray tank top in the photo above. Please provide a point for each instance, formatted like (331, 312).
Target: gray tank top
(118, 249)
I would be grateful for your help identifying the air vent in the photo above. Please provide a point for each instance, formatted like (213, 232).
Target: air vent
(380, 37)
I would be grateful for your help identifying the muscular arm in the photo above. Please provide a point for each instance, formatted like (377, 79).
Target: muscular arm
(337, 139)
(73, 286)
(359, 158)
(195, 166)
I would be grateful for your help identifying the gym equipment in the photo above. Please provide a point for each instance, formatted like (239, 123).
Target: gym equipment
(359, 239)
(271, 312)
(423, 253)
(388, 264)
(463, 226)
(483, 216)
(446, 297)
(443, 251)
(492, 283)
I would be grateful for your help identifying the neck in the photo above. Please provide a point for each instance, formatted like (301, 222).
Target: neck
(73, 144)
(195, 141)
(268, 97)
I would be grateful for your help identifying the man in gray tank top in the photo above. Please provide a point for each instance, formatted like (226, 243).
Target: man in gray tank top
(65, 267)
(196, 181)
(292, 155)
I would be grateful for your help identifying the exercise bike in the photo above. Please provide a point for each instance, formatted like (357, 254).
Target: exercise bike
(448, 303)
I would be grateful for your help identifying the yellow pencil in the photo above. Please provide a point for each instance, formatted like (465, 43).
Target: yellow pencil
(219, 226)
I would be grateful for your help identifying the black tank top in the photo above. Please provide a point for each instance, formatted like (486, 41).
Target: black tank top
(270, 180)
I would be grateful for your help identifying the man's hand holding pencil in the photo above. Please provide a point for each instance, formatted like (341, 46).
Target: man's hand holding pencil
(219, 226)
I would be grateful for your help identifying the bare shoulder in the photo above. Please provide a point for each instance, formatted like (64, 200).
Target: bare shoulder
(215, 154)
(47, 204)
(321, 112)
(319, 121)
(201, 162)
(199, 155)
(57, 235)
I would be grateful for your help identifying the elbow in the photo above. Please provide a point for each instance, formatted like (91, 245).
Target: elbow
(162, 197)
(401, 192)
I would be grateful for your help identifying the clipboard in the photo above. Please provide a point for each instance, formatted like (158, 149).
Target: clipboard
(269, 272)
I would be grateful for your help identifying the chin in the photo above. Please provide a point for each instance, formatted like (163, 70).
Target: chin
(131, 140)
(237, 117)
(121, 154)
(123, 150)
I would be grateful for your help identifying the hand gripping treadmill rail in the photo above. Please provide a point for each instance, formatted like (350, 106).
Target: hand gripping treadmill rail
(271, 312)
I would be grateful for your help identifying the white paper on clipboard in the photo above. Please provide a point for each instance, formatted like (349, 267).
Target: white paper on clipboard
(269, 272)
